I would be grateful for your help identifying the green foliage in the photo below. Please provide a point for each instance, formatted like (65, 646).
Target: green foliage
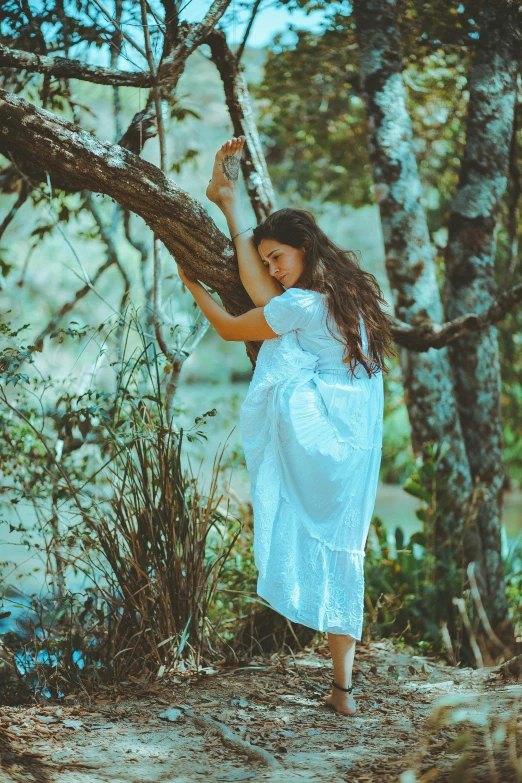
(313, 116)
(117, 503)
(236, 595)
(408, 595)
(397, 454)
(13, 353)
(313, 119)
(513, 577)
(410, 586)
(60, 641)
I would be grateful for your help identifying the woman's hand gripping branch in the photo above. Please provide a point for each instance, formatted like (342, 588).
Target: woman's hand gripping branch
(248, 326)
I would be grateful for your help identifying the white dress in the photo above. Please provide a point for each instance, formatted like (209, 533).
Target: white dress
(312, 437)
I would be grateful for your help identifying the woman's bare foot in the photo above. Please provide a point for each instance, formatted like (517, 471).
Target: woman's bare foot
(225, 174)
(341, 702)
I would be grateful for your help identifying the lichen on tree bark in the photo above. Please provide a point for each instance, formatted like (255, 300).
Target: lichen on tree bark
(449, 398)
(410, 263)
(470, 282)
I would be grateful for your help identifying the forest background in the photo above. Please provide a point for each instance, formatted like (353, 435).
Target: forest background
(77, 588)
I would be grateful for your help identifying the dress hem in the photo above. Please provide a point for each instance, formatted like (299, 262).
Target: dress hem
(293, 617)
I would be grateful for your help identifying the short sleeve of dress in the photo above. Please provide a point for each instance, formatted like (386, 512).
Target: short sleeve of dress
(291, 310)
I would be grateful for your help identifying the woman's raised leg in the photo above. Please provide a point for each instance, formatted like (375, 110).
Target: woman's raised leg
(342, 647)
(223, 190)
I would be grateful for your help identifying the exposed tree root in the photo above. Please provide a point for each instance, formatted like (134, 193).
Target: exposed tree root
(232, 740)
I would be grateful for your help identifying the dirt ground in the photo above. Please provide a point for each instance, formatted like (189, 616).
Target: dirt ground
(267, 721)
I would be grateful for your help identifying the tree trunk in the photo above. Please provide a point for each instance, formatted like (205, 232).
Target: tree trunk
(430, 386)
(427, 377)
(470, 282)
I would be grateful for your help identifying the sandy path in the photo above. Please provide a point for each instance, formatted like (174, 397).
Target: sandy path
(277, 706)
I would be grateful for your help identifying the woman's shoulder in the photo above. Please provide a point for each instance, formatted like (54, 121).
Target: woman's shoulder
(305, 295)
(295, 308)
(302, 300)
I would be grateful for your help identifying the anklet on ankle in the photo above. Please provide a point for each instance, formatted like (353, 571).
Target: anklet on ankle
(346, 690)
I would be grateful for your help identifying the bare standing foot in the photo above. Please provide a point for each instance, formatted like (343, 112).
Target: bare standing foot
(341, 702)
(225, 174)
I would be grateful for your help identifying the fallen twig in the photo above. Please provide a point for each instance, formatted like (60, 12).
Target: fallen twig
(232, 740)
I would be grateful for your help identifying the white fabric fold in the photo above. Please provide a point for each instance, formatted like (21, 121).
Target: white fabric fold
(312, 442)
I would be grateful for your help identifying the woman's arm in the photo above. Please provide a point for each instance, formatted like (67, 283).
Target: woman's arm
(248, 326)
(259, 284)
(223, 190)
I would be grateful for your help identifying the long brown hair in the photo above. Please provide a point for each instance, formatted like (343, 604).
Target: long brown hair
(350, 291)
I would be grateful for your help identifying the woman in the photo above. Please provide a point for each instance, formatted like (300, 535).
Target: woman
(311, 423)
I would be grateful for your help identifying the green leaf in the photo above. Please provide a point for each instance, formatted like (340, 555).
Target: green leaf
(418, 538)
(412, 488)
(421, 514)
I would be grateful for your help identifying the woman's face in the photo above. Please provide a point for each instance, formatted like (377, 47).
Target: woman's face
(284, 262)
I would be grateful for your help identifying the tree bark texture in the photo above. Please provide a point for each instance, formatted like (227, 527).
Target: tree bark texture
(63, 67)
(470, 278)
(410, 266)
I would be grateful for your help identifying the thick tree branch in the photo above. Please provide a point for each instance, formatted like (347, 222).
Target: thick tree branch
(63, 67)
(52, 144)
(49, 143)
(253, 162)
(422, 337)
(173, 64)
(212, 17)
